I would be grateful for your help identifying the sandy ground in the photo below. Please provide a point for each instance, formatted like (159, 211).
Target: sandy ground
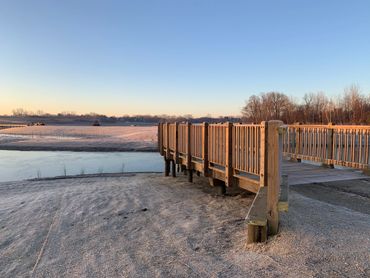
(146, 225)
(80, 138)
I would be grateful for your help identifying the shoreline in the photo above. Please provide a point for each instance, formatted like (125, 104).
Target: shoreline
(86, 176)
(76, 149)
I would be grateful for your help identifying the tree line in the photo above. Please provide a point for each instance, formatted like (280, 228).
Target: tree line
(351, 107)
(69, 117)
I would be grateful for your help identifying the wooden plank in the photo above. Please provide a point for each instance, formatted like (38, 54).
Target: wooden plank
(190, 170)
(273, 175)
(176, 144)
(263, 154)
(257, 218)
(247, 183)
(205, 149)
(197, 166)
(228, 152)
(330, 145)
(159, 136)
(217, 174)
(168, 150)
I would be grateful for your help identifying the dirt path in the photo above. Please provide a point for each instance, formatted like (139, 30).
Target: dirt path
(146, 225)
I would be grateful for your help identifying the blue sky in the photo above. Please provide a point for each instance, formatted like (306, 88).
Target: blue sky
(177, 57)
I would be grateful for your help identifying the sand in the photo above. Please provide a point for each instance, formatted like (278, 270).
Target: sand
(80, 138)
(147, 225)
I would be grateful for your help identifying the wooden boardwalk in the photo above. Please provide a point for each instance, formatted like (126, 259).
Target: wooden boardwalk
(304, 173)
(250, 156)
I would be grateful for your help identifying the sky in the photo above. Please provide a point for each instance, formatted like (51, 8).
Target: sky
(177, 56)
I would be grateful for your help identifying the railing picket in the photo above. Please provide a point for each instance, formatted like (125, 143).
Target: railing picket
(331, 144)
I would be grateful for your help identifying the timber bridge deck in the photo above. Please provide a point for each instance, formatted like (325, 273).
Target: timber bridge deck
(250, 156)
(306, 173)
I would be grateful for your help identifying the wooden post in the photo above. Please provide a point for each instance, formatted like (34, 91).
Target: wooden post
(173, 168)
(205, 149)
(175, 151)
(274, 149)
(166, 154)
(229, 151)
(166, 167)
(159, 139)
(168, 151)
(298, 140)
(222, 188)
(263, 154)
(190, 171)
(330, 145)
(257, 215)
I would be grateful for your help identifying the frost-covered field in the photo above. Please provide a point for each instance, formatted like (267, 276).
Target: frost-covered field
(80, 138)
(147, 225)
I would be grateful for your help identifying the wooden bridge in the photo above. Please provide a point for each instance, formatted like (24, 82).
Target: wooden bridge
(249, 156)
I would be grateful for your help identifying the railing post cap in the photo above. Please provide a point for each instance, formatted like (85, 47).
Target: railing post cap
(263, 123)
(275, 122)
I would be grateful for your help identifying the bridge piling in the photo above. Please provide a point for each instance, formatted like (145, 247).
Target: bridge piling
(173, 168)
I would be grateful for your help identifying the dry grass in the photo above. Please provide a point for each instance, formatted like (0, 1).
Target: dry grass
(146, 225)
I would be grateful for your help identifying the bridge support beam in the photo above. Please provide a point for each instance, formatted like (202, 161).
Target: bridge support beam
(218, 183)
(173, 168)
(166, 167)
(190, 175)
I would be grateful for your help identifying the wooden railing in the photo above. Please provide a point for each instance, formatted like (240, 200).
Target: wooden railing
(243, 155)
(343, 145)
(249, 156)
(246, 150)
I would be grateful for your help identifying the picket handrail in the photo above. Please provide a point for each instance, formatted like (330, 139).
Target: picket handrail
(343, 145)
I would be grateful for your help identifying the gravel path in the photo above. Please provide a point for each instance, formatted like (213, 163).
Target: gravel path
(146, 225)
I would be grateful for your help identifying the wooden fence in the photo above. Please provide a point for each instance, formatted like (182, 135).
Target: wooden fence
(343, 145)
(241, 155)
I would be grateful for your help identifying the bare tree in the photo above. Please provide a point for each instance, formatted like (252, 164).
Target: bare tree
(352, 107)
(252, 109)
(354, 104)
(267, 106)
(20, 112)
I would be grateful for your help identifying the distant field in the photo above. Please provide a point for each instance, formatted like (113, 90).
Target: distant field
(80, 138)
